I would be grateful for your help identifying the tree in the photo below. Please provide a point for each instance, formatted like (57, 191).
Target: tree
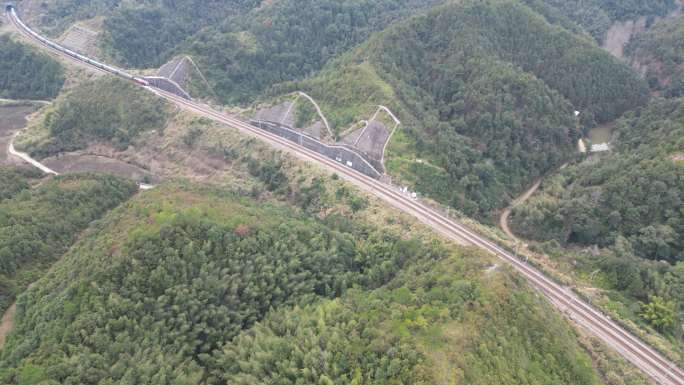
(659, 313)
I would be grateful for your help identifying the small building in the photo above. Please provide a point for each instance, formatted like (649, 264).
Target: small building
(602, 147)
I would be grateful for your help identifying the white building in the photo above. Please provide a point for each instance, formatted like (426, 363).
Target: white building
(603, 147)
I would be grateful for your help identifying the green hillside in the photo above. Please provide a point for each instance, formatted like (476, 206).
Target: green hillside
(629, 202)
(486, 92)
(26, 73)
(287, 40)
(636, 190)
(461, 331)
(38, 224)
(172, 288)
(146, 35)
(14, 180)
(597, 16)
(661, 52)
(108, 109)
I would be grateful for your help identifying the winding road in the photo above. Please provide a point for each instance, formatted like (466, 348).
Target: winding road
(633, 349)
(503, 220)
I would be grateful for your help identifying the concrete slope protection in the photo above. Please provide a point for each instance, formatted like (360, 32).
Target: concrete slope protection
(633, 349)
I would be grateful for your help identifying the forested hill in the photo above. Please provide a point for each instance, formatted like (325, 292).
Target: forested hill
(147, 35)
(164, 24)
(597, 16)
(243, 46)
(660, 54)
(486, 91)
(38, 224)
(26, 73)
(197, 286)
(108, 109)
(635, 193)
(630, 204)
(289, 39)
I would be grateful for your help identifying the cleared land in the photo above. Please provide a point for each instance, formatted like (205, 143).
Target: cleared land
(76, 163)
(601, 134)
(12, 119)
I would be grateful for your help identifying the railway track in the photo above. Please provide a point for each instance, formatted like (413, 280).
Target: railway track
(632, 348)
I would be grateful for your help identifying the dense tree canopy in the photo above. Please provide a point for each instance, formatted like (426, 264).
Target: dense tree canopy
(486, 92)
(181, 285)
(597, 16)
(27, 74)
(14, 180)
(402, 334)
(146, 36)
(593, 81)
(635, 193)
(196, 286)
(38, 224)
(288, 40)
(630, 204)
(660, 51)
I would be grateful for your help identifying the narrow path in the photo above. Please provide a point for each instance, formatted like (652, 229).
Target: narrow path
(7, 323)
(397, 122)
(34, 101)
(503, 221)
(26, 158)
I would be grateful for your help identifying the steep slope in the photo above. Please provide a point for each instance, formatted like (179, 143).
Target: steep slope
(27, 74)
(146, 35)
(634, 193)
(243, 46)
(108, 109)
(38, 224)
(486, 91)
(288, 40)
(172, 279)
(597, 16)
(659, 54)
(630, 204)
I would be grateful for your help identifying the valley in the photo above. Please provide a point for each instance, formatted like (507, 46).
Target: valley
(481, 119)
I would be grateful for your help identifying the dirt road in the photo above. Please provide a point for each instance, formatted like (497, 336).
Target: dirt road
(503, 221)
(12, 119)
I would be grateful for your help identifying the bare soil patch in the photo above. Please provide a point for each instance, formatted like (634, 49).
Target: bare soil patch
(620, 33)
(7, 323)
(12, 119)
(75, 163)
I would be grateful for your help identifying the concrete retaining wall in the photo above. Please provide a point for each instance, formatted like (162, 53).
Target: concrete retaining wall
(340, 154)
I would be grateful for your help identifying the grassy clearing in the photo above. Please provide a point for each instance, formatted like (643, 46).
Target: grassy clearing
(346, 95)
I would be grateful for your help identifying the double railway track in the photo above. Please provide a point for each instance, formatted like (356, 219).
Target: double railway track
(632, 348)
